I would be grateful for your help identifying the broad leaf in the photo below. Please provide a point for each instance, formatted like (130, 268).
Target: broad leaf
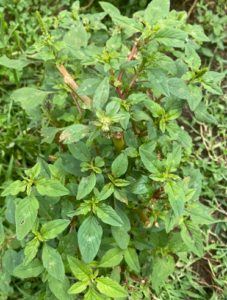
(110, 288)
(101, 94)
(52, 262)
(111, 258)
(176, 197)
(26, 212)
(149, 160)
(29, 98)
(120, 165)
(191, 236)
(33, 269)
(78, 287)
(80, 270)
(86, 185)
(89, 238)
(52, 188)
(92, 295)
(108, 215)
(31, 250)
(132, 259)
(156, 10)
(59, 288)
(52, 229)
(13, 63)
(158, 81)
(171, 37)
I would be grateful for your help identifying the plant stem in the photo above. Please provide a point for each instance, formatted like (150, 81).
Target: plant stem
(73, 85)
(77, 105)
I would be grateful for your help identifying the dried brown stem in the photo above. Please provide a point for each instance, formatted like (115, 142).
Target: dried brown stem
(73, 85)
(87, 6)
(143, 281)
(191, 9)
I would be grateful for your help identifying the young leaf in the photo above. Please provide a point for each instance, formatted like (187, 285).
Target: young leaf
(86, 185)
(106, 192)
(132, 259)
(110, 9)
(191, 236)
(156, 10)
(158, 81)
(111, 258)
(26, 213)
(80, 151)
(59, 289)
(15, 188)
(92, 295)
(101, 94)
(120, 165)
(51, 188)
(171, 37)
(80, 270)
(89, 238)
(33, 269)
(30, 250)
(78, 287)
(176, 197)
(52, 229)
(110, 288)
(173, 159)
(108, 215)
(52, 262)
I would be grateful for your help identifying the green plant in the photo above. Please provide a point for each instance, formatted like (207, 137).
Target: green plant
(123, 189)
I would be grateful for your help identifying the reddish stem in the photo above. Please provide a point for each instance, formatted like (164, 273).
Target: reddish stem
(132, 53)
(143, 281)
(60, 144)
(97, 150)
(134, 127)
(143, 134)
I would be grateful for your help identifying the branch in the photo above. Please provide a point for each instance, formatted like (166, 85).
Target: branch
(77, 105)
(191, 9)
(132, 53)
(73, 85)
(87, 6)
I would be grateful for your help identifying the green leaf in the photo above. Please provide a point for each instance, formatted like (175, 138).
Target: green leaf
(110, 9)
(173, 159)
(89, 238)
(162, 268)
(108, 215)
(203, 116)
(88, 86)
(111, 258)
(120, 165)
(52, 188)
(26, 213)
(101, 94)
(170, 220)
(132, 259)
(78, 287)
(2, 234)
(33, 269)
(154, 108)
(121, 236)
(176, 197)
(52, 262)
(74, 133)
(15, 188)
(86, 185)
(31, 250)
(59, 289)
(52, 229)
(148, 160)
(191, 236)
(158, 81)
(171, 37)
(92, 295)
(179, 89)
(106, 192)
(13, 63)
(80, 270)
(192, 58)
(68, 244)
(76, 37)
(29, 98)
(200, 214)
(80, 151)
(196, 94)
(110, 288)
(156, 10)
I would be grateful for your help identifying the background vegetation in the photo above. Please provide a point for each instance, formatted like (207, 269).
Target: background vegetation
(193, 278)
